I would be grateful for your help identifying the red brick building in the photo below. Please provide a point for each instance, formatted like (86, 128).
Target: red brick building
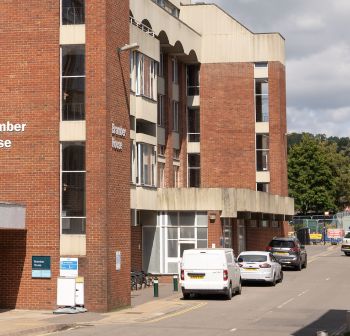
(125, 157)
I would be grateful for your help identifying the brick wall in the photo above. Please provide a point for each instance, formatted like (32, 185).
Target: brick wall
(29, 80)
(214, 229)
(227, 125)
(136, 248)
(278, 129)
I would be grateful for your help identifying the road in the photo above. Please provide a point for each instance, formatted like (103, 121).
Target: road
(314, 299)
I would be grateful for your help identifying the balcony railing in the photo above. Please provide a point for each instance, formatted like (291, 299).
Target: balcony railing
(73, 15)
(141, 26)
(193, 90)
(193, 137)
(73, 111)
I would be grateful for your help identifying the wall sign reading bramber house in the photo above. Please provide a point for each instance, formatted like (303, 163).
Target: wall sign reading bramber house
(9, 127)
(117, 132)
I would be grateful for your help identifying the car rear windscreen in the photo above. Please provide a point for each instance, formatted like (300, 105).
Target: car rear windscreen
(347, 235)
(281, 243)
(252, 258)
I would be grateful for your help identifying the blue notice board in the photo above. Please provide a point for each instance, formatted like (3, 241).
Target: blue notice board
(41, 267)
(69, 267)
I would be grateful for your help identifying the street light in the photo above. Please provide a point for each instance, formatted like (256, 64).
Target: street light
(132, 46)
(326, 213)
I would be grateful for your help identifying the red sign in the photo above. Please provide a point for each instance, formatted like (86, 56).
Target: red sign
(335, 233)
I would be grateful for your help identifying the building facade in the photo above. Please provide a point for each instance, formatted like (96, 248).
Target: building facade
(131, 131)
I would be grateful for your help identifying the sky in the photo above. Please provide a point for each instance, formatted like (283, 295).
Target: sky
(317, 34)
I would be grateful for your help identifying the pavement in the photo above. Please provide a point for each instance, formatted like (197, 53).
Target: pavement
(144, 308)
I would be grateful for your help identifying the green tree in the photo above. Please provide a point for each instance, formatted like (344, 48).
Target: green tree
(310, 175)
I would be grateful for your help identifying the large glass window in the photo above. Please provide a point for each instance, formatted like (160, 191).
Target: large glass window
(262, 186)
(262, 152)
(262, 100)
(73, 12)
(176, 176)
(73, 172)
(73, 82)
(175, 70)
(161, 174)
(146, 76)
(193, 125)
(194, 170)
(175, 116)
(146, 164)
(160, 110)
(193, 80)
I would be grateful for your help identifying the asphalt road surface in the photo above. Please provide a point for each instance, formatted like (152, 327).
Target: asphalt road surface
(314, 299)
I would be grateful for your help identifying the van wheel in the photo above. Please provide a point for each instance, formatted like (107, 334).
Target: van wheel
(298, 267)
(281, 277)
(186, 296)
(229, 293)
(305, 263)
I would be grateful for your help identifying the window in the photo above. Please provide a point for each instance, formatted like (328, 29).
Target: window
(73, 212)
(160, 110)
(175, 71)
(176, 154)
(262, 186)
(176, 176)
(146, 164)
(161, 176)
(133, 173)
(161, 150)
(193, 125)
(193, 80)
(194, 179)
(73, 12)
(175, 116)
(262, 100)
(73, 82)
(161, 65)
(262, 152)
(260, 64)
(146, 75)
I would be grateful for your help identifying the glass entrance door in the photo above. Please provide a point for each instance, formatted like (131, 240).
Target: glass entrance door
(185, 246)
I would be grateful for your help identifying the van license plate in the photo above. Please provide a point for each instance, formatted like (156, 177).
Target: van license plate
(196, 276)
(250, 269)
(281, 253)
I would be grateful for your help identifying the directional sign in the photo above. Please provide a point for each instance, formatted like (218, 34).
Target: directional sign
(68, 267)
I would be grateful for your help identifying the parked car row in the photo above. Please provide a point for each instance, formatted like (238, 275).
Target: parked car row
(216, 271)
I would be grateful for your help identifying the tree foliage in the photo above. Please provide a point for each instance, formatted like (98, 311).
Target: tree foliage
(319, 172)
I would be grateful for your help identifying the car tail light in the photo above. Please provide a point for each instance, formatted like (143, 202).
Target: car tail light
(268, 248)
(265, 265)
(182, 275)
(225, 275)
(295, 249)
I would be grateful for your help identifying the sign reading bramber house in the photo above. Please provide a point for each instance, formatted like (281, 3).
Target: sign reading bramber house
(9, 127)
(117, 133)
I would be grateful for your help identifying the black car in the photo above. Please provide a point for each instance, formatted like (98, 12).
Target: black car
(288, 252)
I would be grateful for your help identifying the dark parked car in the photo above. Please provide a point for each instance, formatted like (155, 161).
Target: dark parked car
(288, 252)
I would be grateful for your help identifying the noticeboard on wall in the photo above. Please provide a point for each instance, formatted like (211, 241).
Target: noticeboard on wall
(41, 267)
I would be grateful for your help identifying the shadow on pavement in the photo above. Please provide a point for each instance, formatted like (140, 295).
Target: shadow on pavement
(331, 322)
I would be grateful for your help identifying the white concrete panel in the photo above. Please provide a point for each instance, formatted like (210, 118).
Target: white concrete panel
(132, 135)
(72, 34)
(193, 101)
(193, 147)
(175, 92)
(261, 72)
(140, 137)
(148, 45)
(12, 216)
(176, 140)
(161, 135)
(146, 109)
(132, 104)
(146, 198)
(73, 130)
(263, 177)
(72, 245)
(161, 85)
(133, 202)
(262, 127)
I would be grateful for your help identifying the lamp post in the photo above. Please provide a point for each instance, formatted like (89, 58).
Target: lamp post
(326, 213)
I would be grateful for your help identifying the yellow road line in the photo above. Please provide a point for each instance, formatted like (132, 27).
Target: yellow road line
(178, 312)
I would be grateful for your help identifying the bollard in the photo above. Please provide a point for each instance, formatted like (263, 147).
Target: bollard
(155, 287)
(176, 283)
(322, 333)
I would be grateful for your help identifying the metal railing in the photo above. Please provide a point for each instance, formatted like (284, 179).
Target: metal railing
(193, 90)
(141, 26)
(193, 137)
(73, 111)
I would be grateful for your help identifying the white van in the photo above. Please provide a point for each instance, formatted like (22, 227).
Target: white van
(210, 271)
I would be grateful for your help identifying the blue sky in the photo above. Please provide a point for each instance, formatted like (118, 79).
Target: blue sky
(317, 37)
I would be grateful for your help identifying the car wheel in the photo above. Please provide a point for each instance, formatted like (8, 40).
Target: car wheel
(347, 253)
(305, 263)
(186, 296)
(239, 288)
(229, 293)
(281, 277)
(273, 282)
(299, 266)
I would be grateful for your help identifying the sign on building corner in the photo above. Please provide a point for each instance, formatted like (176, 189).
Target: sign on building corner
(9, 127)
(117, 132)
